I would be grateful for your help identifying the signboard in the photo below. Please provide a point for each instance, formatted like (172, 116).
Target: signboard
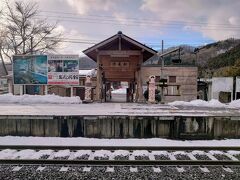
(63, 70)
(30, 70)
(43, 70)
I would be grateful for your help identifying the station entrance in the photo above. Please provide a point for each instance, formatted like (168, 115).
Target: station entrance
(119, 59)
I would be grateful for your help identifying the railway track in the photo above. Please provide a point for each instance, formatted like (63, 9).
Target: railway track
(120, 155)
(119, 162)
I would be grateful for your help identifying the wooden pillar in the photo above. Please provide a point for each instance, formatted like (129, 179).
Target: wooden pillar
(140, 97)
(71, 91)
(99, 80)
(46, 89)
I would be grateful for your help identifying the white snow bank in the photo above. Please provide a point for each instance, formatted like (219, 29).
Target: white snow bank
(120, 91)
(199, 103)
(211, 103)
(7, 153)
(23, 154)
(235, 103)
(39, 99)
(80, 141)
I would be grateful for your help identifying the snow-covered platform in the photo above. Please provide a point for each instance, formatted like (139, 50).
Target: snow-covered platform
(115, 109)
(194, 120)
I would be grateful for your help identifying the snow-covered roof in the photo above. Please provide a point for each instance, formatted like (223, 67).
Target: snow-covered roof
(89, 72)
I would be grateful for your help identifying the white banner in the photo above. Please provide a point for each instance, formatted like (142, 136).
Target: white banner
(63, 70)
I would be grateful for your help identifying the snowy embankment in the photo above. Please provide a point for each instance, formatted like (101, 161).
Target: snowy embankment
(122, 90)
(211, 103)
(53, 141)
(39, 99)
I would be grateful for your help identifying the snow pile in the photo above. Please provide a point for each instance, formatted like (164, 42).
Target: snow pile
(235, 104)
(7, 153)
(39, 99)
(122, 90)
(199, 103)
(211, 103)
(23, 154)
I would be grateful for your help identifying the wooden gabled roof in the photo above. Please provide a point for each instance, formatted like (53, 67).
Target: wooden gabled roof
(127, 43)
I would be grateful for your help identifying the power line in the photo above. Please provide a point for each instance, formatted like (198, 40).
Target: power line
(180, 22)
(115, 22)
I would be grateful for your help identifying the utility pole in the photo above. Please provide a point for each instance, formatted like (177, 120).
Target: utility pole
(162, 75)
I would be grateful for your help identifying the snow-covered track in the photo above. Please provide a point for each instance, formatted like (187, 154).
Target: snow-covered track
(121, 156)
(112, 148)
(120, 162)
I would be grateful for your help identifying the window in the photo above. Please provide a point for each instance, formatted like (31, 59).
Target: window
(172, 79)
(119, 64)
(173, 90)
(157, 79)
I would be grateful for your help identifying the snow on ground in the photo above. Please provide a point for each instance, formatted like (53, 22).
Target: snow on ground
(211, 103)
(51, 141)
(7, 153)
(39, 99)
(102, 153)
(80, 153)
(62, 153)
(41, 153)
(122, 90)
(120, 153)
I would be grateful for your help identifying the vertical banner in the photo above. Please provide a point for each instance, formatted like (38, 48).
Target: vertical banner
(30, 70)
(63, 70)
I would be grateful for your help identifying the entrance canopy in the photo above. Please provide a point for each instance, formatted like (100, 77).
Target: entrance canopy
(119, 58)
(120, 42)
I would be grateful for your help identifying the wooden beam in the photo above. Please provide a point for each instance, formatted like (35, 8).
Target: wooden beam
(126, 53)
(138, 44)
(119, 44)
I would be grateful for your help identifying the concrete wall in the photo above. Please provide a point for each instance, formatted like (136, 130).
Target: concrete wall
(221, 84)
(186, 78)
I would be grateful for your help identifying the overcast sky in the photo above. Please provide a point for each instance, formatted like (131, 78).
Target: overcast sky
(193, 22)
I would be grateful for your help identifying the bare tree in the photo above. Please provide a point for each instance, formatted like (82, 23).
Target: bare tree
(26, 33)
